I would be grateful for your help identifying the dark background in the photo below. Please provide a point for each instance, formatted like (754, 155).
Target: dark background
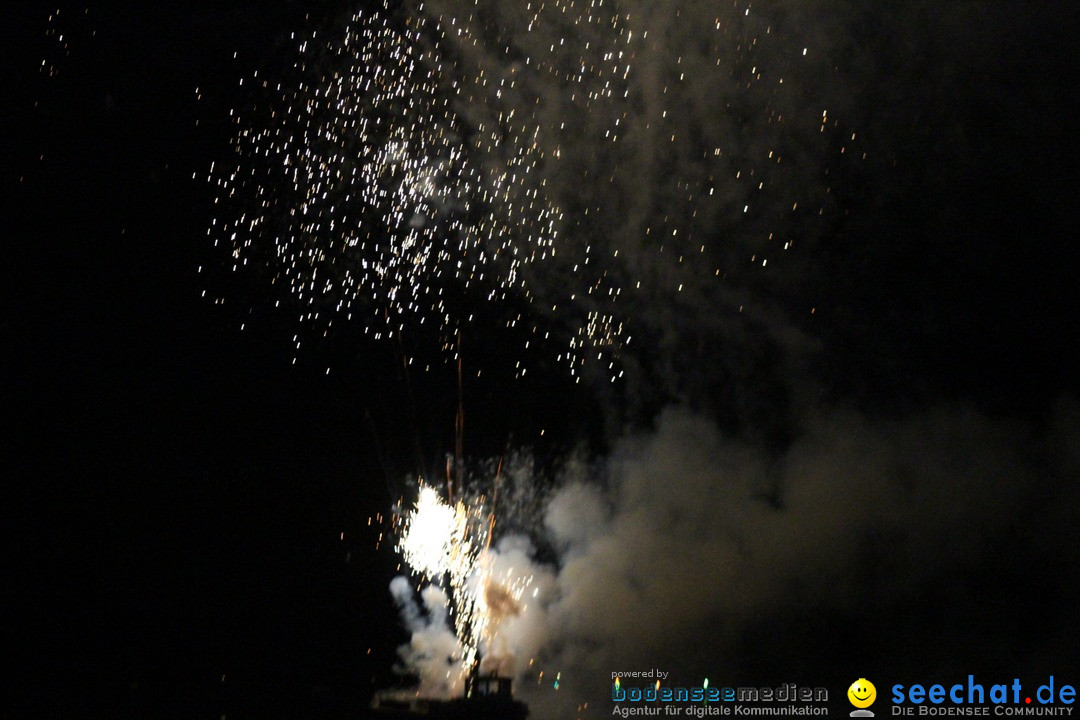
(178, 489)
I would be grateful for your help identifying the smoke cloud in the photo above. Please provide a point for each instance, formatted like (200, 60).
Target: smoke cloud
(433, 653)
(709, 558)
(706, 556)
(806, 536)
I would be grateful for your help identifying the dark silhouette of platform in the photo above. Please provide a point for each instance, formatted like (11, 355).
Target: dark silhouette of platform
(487, 697)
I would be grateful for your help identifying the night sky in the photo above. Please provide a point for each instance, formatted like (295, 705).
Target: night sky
(188, 506)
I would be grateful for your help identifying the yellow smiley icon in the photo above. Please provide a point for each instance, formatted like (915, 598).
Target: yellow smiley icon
(862, 693)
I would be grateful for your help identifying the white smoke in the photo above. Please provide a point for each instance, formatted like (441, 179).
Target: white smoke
(700, 546)
(702, 553)
(433, 652)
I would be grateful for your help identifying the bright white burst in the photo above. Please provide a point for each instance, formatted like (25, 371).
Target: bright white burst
(449, 544)
(436, 538)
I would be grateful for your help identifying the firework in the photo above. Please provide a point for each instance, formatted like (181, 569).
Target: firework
(582, 165)
(366, 194)
(449, 544)
(436, 538)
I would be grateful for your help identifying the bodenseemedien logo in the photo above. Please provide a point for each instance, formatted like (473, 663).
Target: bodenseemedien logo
(862, 694)
(670, 698)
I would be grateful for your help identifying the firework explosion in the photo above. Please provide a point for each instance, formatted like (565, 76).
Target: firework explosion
(586, 172)
(580, 170)
(369, 194)
(450, 544)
